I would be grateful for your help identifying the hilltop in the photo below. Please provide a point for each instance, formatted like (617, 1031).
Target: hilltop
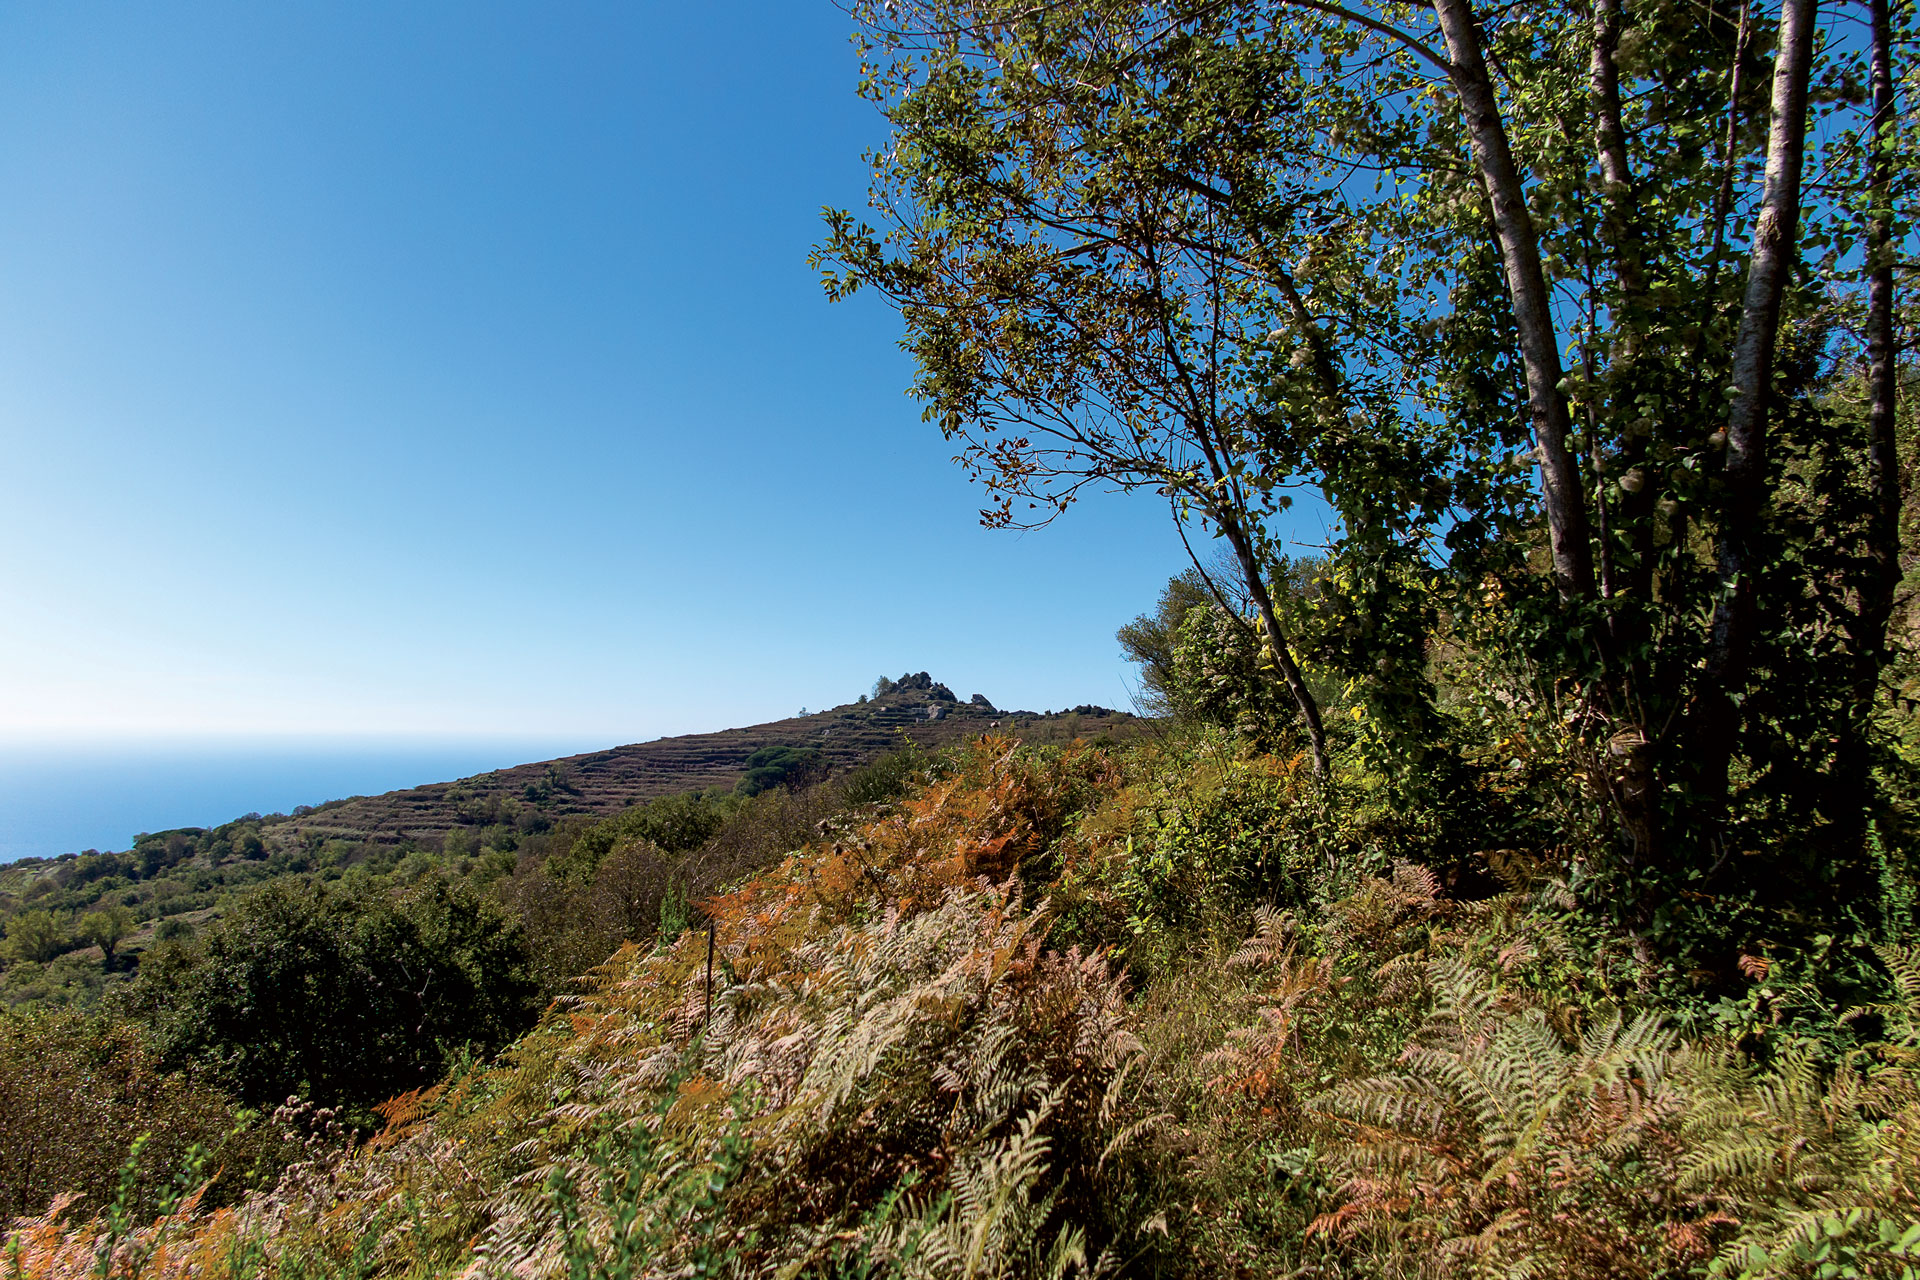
(917, 709)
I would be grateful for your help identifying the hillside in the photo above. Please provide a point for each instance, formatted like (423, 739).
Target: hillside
(74, 926)
(1103, 1011)
(599, 783)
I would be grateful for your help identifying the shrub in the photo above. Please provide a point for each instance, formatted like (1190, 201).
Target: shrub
(75, 1091)
(1229, 832)
(887, 778)
(340, 997)
(770, 767)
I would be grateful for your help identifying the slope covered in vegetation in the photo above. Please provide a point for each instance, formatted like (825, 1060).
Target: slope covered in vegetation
(75, 926)
(1161, 1010)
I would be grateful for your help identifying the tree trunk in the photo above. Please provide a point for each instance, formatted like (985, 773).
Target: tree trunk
(1723, 202)
(1567, 526)
(1631, 750)
(1883, 464)
(1620, 228)
(1775, 235)
(1277, 640)
(1715, 721)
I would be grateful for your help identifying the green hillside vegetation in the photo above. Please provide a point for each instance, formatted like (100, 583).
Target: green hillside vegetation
(75, 926)
(304, 998)
(1172, 1008)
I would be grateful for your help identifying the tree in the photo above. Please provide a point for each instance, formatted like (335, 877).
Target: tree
(106, 928)
(1075, 319)
(36, 936)
(1177, 655)
(337, 997)
(1216, 672)
(1530, 294)
(1150, 640)
(1483, 277)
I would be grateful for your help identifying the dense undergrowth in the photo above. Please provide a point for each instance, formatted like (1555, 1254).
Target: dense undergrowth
(1174, 1010)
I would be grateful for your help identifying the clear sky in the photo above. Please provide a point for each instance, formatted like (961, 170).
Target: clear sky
(456, 369)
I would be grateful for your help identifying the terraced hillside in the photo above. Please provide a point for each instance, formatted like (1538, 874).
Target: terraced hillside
(917, 709)
(55, 911)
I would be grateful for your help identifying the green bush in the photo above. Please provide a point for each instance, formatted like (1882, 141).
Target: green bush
(75, 1091)
(887, 778)
(37, 936)
(771, 767)
(1208, 833)
(338, 996)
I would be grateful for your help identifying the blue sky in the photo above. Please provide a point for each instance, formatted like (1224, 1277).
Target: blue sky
(445, 370)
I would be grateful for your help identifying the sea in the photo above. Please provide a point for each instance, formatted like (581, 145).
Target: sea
(67, 797)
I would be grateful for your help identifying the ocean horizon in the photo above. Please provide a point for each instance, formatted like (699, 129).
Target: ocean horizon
(68, 797)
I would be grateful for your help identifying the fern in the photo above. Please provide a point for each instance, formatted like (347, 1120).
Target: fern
(1496, 1147)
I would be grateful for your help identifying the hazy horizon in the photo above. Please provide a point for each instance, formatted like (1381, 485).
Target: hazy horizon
(72, 796)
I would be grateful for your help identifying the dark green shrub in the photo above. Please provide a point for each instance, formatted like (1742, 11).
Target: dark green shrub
(75, 1092)
(174, 929)
(887, 778)
(340, 997)
(771, 767)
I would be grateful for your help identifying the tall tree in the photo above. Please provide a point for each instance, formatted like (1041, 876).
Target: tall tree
(106, 928)
(1224, 247)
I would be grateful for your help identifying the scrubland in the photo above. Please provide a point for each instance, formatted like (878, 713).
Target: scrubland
(1171, 1009)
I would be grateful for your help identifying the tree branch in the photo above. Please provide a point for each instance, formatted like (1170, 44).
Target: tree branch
(1379, 28)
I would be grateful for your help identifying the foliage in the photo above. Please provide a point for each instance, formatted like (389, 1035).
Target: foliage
(937, 1044)
(605, 884)
(105, 928)
(675, 824)
(53, 909)
(647, 1190)
(1484, 280)
(887, 778)
(1217, 667)
(37, 935)
(1202, 656)
(338, 998)
(770, 767)
(75, 1091)
(1210, 844)
(1150, 641)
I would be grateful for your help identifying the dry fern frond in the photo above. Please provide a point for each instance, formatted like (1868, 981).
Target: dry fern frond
(1272, 938)
(402, 1114)
(1489, 1151)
